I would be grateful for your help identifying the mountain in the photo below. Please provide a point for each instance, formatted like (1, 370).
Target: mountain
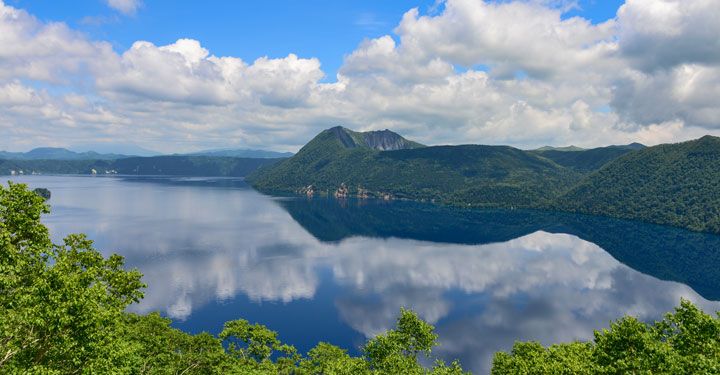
(115, 148)
(587, 160)
(55, 153)
(383, 164)
(672, 184)
(243, 153)
(383, 140)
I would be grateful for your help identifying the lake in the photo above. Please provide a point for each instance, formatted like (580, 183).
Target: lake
(339, 271)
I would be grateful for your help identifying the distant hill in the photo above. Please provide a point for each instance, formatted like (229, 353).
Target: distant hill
(587, 160)
(566, 148)
(210, 166)
(673, 184)
(178, 165)
(242, 153)
(118, 148)
(55, 153)
(386, 164)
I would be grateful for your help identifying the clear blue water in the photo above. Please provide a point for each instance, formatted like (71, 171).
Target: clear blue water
(317, 270)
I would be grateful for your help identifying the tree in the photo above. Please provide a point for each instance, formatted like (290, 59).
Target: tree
(60, 304)
(686, 341)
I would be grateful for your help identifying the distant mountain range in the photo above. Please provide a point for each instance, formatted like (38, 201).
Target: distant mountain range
(54, 153)
(675, 184)
(242, 153)
(167, 165)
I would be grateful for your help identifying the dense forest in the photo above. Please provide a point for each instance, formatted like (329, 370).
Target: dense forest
(63, 311)
(171, 165)
(674, 184)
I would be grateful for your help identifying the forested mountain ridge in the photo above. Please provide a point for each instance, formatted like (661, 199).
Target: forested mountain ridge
(336, 162)
(587, 160)
(672, 184)
(675, 184)
(170, 165)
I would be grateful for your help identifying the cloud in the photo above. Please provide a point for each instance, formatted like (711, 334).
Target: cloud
(507, 36)
(127, 7)
(509, 72)
(664, 34)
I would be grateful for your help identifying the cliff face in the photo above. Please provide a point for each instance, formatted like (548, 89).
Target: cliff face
(386, 140)
(382, 140)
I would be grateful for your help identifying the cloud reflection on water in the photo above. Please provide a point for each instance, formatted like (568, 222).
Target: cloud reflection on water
(196, 246)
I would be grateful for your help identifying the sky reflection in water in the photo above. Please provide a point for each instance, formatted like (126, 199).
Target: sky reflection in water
(214, 250)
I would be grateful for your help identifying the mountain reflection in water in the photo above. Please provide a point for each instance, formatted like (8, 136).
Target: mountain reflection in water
(339, 271)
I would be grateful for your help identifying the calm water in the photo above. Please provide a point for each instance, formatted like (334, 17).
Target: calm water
(316, 270)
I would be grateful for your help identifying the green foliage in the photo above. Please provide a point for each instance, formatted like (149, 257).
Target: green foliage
(62, 311)
(58, 303)
(686, 341)
(673, 184)
(43, 192)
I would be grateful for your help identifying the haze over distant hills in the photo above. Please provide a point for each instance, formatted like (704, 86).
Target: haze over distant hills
(56, 153)
(241, 153)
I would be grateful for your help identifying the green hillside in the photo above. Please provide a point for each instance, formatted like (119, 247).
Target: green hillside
(587, 160)
(469, 175)
(674, 184)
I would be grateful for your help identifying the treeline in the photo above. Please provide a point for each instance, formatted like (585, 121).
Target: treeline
(170, 165)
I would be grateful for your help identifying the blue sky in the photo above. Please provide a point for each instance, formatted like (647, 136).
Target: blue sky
(181, 76)
(327, 30)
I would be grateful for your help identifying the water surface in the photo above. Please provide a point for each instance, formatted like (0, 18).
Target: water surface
(317, 270)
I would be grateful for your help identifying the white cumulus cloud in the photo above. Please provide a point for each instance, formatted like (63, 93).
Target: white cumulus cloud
(471, 71)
